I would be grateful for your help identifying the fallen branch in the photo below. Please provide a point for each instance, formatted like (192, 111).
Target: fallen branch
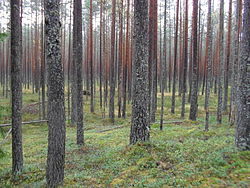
(172, 122)
(5, 138)
(25, 123)
(105, 130)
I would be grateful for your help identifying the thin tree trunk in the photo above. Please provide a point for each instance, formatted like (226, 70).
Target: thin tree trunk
(101, 54)
(164, 67)
(77, 59)
(228, 54)
(208, 65)
(194, 91)
(112, 65)
(185, 62)
(91, 58)
(175, 58)
(120, 58)
(221, 63)
(126, 63)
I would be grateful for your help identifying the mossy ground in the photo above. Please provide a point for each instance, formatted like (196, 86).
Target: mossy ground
(182, 155)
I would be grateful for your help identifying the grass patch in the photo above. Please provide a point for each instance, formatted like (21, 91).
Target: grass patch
(182, 155)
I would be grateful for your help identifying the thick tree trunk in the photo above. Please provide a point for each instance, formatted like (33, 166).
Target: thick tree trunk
(16, 87)
(56, 109)
(140, 100)
(243, 116)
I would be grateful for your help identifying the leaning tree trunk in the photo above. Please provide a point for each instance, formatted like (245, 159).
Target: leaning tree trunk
(140, 100)
(243, 116)
(56, 109)
(16, 87)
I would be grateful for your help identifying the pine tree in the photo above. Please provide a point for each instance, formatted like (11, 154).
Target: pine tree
(56, 109)
(194, 91)
(243, 114)
(140, 101)
(16, 87)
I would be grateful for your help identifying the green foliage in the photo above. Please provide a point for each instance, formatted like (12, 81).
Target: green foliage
(3, 36)
(182, 155)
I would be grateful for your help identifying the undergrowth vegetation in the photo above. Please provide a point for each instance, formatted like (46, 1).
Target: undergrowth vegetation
(182, 155)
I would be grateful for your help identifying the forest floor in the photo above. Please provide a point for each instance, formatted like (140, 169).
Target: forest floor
(182, 155)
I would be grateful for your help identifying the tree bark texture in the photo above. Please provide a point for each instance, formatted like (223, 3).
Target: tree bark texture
(194, 91)
(243, 116)
(77, 58)
(56, 109)
(221, 63)
(112, 66)
(16, 87)
(140, 99)
(175, 58)
(209, 65)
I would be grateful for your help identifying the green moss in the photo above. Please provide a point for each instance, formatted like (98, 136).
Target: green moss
(182, 155)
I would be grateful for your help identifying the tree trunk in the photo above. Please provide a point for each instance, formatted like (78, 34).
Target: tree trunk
(175, 58)
(77, 59)
(91, 58)
(120, 58)
(208, 64)
(194, 91)
(112, 66)
(16, 87)
(228, 54)
(126, 63)
(237, 28)
(243, 115)
(43, 66)
(185, 62)
(221, 63)
(140, 100)
(164, 67)
(56, 109)
(100, 53)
